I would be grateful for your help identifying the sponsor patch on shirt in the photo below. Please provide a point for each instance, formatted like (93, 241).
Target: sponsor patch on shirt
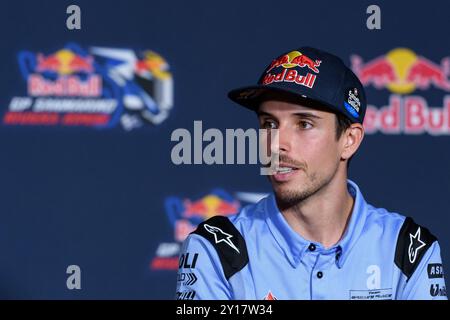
(376, 294)
(435, 270)
(438, 290)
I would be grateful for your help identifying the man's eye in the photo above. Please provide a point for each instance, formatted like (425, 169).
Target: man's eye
(269, 125)
(305, 125)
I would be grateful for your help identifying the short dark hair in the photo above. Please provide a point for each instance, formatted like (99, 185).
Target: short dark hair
(342, 124)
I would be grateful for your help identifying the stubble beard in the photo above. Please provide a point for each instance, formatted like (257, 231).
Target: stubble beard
(288, 197)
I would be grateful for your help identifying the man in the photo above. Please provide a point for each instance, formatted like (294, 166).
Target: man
(315, 237)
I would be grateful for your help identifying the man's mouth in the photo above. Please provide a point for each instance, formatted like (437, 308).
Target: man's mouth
(285, 168)
(284, 171)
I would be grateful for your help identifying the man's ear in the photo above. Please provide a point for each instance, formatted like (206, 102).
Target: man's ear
(352, 139)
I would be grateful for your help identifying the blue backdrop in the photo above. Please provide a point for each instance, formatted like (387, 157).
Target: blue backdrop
(86, 188)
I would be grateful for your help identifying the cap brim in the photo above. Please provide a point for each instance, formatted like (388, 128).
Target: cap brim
(252, 96)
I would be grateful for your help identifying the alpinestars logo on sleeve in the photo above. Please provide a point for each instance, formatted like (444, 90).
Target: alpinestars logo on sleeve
(415, 245)
(220, 236)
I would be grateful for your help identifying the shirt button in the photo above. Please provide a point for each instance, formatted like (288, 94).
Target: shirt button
(319, 274)
(312, 247)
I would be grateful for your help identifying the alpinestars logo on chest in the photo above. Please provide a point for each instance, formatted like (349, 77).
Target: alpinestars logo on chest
(220, 236)
(415, 245)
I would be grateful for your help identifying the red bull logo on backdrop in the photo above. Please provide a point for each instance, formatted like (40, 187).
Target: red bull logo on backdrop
(100, 87)
(407, 76)
(184, 215)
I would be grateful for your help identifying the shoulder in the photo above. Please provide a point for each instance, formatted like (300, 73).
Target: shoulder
(410, 239)
(413, 242)
(221, 238)
(384, 219)
(225, 236)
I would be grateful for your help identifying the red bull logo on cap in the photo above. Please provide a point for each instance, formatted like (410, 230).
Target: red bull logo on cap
(403, 72)
(289, 61)
(295, 59)
(290, 76)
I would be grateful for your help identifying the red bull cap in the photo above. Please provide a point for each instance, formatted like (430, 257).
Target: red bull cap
(307, 74)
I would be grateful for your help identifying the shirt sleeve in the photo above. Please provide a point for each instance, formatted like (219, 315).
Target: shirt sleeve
(200, 275)
(427, 282)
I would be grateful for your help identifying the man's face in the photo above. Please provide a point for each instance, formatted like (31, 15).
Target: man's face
(308, 149)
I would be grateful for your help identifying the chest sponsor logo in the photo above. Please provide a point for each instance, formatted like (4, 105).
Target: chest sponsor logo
(187, 278)
(438, 290)
(185, 295)
(378, 294)
(187, 262)
(435, 270)
(374, 279)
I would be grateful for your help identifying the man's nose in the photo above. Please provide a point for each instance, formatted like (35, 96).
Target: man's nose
(285, 141)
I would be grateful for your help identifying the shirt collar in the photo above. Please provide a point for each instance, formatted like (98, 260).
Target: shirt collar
(295, 246)
(356, 225)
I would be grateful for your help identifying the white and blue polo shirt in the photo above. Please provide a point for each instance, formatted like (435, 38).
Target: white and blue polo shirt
(256, 255)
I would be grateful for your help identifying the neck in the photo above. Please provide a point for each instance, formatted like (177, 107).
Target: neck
(323, 217)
